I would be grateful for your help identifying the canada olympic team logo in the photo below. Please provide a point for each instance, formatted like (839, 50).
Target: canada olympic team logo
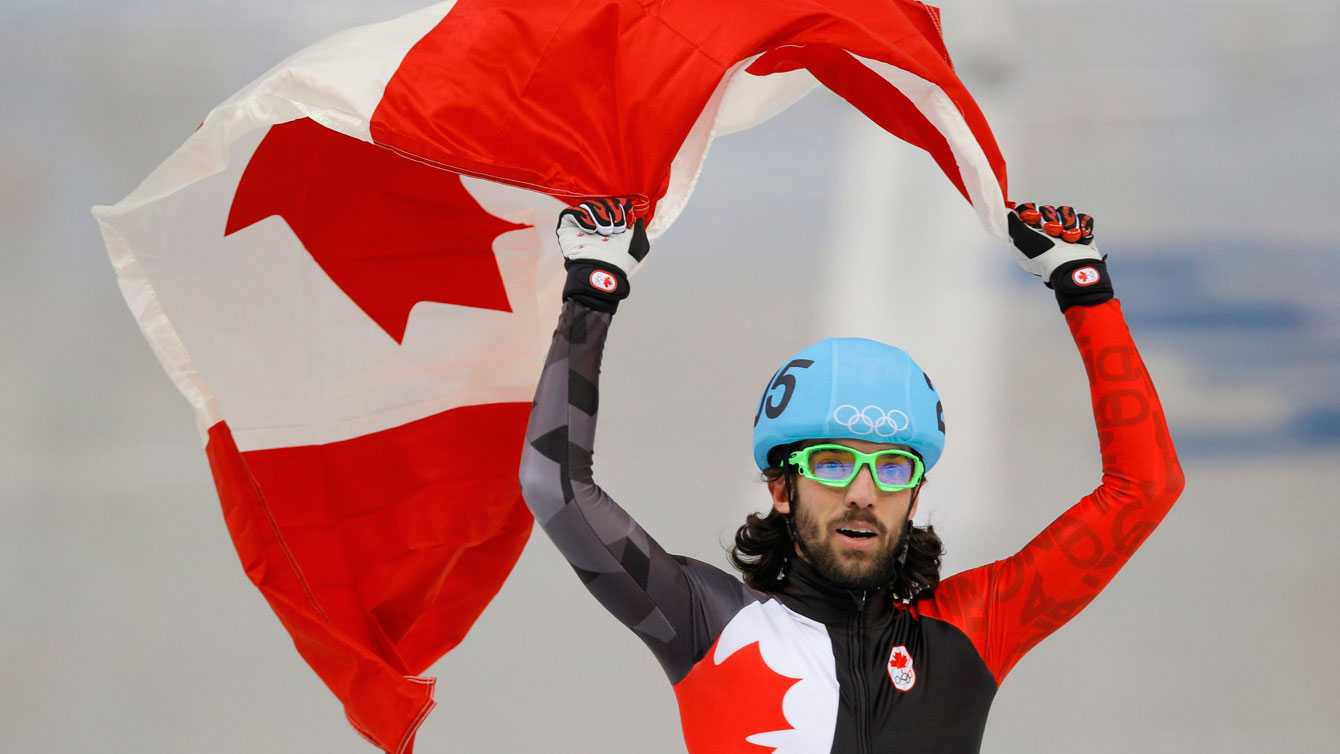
(900, 669)
(604, 281)
(871, 420)
(1085, 276)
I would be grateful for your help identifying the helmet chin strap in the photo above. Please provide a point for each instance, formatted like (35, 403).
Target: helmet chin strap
(791, 517)
(906, 544)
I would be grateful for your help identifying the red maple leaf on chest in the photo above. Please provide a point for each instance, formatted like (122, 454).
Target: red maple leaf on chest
(722, 705)
(389, 231)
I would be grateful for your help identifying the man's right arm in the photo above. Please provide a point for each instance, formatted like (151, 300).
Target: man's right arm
(647, 589)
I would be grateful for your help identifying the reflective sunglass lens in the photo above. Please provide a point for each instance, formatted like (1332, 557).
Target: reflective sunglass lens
(895, 469)
(832, 464)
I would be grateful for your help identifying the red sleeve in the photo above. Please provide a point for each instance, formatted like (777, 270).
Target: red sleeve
(1009, 606)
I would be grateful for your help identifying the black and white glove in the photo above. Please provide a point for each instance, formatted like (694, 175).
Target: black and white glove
(600, 249)
(1056, 244)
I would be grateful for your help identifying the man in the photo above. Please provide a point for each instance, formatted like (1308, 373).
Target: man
(843, 637)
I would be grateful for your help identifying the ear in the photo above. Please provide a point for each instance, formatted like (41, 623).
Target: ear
(780, 503)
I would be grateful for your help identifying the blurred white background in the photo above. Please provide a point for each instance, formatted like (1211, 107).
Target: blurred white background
(1200, 133)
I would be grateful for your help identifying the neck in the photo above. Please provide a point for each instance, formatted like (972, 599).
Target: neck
(813, 595)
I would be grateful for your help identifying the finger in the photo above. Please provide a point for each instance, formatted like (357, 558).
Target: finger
(1028, 212)
(608, 215)
(601, 215)
(1070, 231)
(576, 216)
(596, 216)
(617, 211)
(1051, 220)
(1086, 229)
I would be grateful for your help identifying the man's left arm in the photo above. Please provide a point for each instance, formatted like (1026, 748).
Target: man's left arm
(1007, 607)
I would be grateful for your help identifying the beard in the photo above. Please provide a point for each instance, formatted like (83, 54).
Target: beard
(854, 570)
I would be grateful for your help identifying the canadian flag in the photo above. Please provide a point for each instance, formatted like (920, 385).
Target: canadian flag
(349, 270)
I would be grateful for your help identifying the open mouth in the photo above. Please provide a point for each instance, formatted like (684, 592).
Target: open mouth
(855, 533)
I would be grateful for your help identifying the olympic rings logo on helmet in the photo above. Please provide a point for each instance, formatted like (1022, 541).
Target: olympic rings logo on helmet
(871, 419)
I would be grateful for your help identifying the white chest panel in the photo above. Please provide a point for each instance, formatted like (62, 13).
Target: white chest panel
(797, 647)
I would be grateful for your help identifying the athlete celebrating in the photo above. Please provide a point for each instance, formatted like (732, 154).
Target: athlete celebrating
(843, 637)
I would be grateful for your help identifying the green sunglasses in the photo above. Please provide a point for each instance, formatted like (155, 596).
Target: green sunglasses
(837, 465)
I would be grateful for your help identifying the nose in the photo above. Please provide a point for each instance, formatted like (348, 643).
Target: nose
(862, 492)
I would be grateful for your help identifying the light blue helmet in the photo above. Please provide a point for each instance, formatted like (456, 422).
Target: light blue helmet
(851, 388)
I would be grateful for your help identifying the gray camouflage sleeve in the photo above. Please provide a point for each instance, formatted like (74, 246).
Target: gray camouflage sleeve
(657, 595)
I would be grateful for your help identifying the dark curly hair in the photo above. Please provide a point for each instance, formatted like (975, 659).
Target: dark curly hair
(763, 544)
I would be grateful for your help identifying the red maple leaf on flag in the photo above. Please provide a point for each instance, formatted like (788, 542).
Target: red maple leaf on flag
(720, 705)
(390, 232)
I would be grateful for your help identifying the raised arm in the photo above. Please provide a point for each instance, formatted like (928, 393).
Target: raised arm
(625, 569)
(1007, 607)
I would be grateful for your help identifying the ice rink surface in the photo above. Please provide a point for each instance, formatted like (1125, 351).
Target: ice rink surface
(1200, 133)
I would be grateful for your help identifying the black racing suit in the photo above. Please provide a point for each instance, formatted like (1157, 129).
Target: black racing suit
(810, 667)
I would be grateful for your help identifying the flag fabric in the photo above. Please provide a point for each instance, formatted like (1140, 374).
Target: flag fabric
(349, 270)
